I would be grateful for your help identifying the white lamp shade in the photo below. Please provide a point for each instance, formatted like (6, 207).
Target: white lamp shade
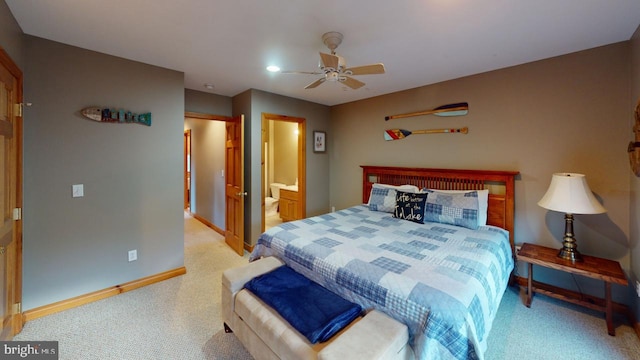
(569, 193)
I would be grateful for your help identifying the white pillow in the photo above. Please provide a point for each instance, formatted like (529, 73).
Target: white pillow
(483, 202)
(383, 196)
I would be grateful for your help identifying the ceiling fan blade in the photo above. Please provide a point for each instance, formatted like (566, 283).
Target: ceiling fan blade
(315, 83)
(330, 61)
(352, 83)
(366, 69)
(302, 72)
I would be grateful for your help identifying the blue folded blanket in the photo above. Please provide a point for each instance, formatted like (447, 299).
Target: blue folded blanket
(314, 311)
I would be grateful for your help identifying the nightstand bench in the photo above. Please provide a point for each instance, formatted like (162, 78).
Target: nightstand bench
(608, 271)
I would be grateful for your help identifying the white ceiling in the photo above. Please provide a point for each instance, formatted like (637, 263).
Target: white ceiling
(228, 43)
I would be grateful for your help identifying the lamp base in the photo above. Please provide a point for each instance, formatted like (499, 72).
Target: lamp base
(570, 254)
(569, 249)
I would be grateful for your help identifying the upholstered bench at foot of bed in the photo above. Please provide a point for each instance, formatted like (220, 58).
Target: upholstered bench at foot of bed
(266, 335)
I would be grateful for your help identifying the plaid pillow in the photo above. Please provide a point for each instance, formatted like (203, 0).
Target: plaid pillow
(483, 201)
(459, 209)
(383, 196)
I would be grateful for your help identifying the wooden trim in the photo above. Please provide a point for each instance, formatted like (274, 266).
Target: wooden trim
(13, 68)
(195, 115)
(302, 168)
(209, 224)
(187, 166)
(264, 139)
(45, 310)
(277, 117)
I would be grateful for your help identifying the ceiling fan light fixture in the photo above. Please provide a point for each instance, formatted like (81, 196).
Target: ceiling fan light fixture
(333, 76)
(334, 67)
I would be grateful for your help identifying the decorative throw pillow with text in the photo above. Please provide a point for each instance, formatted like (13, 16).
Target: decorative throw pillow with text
(410, 206)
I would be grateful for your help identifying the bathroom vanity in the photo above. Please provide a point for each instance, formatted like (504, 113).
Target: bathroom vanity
(289, 205)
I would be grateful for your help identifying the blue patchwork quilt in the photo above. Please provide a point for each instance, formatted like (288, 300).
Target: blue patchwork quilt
(444, 282)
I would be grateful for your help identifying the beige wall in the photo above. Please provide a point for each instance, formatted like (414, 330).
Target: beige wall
(285, 157)
(252, 104)
(569, 113)
(132, 174)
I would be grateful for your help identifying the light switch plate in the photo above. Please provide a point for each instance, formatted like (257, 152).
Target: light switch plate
(77, 190)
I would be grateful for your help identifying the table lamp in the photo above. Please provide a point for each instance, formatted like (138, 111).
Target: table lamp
(569, 193)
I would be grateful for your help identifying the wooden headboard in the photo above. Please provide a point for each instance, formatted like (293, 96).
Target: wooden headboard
(501, 186)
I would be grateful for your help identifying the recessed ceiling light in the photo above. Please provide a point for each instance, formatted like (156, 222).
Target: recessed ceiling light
(273, 68)
(208, 86)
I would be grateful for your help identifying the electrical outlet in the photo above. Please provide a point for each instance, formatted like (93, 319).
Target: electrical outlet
(77, 190)
(133, 255)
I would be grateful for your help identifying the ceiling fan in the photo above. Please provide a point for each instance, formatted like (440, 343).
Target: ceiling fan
(334, 67)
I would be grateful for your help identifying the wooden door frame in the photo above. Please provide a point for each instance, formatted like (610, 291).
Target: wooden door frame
(302, 161)
(18, 317)
(187, 167)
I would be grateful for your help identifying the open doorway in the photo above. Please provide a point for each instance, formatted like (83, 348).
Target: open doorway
(206, 157)
(215, 156)
(283, 169)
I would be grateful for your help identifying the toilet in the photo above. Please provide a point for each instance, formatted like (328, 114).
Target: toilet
(275, 190)
(272, 205)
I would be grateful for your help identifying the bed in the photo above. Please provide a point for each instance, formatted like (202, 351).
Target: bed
(443, 278)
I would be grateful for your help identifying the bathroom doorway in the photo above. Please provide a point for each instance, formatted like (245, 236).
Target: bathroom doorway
(283, 169)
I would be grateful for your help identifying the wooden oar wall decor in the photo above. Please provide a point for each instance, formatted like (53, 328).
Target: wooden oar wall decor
(457, 109)
(397, 134)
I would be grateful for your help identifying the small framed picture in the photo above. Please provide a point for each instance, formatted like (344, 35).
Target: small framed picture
(319, 141)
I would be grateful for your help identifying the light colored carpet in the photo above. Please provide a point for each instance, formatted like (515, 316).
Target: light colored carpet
(176, 319)
(555, 330)
(180, 319)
